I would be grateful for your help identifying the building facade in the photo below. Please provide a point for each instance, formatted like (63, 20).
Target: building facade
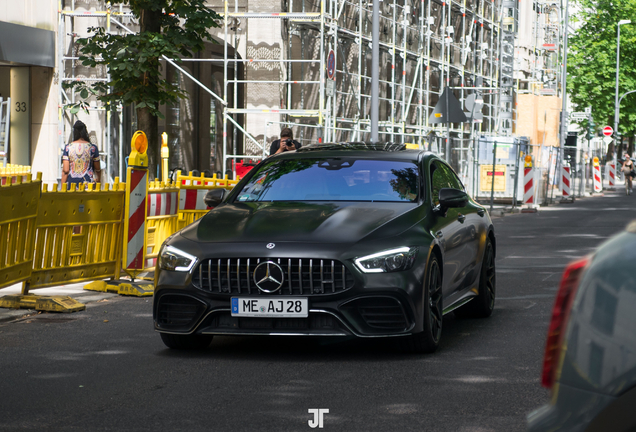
(302, 64)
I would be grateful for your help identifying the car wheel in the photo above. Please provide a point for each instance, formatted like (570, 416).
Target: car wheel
(483, 305)
(180, 341)
(428, 339)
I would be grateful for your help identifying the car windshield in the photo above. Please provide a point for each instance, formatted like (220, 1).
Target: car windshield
(332, 179)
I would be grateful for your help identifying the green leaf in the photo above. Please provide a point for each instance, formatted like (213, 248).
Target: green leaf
(84, 93)
(75, 109)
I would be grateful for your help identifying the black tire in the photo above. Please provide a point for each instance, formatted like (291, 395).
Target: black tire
(186, 342)
(483, 305)
(428, 339)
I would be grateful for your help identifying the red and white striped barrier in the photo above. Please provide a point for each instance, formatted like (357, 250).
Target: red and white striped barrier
(192, 199)
(611, 174)
(162, 203)
(528, 185)
(135, 224)
(598, 185)
(565, 181)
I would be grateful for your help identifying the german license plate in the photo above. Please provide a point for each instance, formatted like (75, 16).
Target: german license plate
(269, 307)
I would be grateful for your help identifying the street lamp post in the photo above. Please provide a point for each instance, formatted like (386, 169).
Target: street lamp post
(618, 51)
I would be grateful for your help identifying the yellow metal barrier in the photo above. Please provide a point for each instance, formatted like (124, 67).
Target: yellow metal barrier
(18, 213)
(79, 235)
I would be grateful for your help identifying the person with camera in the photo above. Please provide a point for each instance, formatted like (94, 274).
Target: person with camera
(285, 143)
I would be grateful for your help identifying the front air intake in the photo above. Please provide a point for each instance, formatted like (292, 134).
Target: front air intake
(178, 312)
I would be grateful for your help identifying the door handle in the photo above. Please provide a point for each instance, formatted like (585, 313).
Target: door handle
(461, 218)
(481, 212)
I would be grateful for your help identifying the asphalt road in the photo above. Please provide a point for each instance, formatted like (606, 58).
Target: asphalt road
(105, 369)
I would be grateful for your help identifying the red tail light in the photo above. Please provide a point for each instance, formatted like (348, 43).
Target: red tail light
(560, 315)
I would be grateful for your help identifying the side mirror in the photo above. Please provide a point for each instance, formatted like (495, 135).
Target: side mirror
(214, 197)
(452, 198)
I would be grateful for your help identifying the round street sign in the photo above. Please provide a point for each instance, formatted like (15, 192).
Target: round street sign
(331, 64)
(608, 131)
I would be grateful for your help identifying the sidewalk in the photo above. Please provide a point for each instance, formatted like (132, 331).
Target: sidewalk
(75, 291)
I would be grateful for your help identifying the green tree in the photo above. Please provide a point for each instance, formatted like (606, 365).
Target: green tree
(171, 28)
(592, 62)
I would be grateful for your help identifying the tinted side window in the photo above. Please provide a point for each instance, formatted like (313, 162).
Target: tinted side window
(439, 179)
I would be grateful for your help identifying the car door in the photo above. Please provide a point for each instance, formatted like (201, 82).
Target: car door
(473, 230)
(446, 228)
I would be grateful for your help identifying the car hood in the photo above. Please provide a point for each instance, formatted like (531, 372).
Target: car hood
(302, 222)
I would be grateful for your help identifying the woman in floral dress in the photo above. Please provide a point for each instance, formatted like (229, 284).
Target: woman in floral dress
(80, 160)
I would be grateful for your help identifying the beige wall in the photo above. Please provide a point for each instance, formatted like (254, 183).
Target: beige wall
(32, 13)
(19, 130)
(45, 152)
(536, 116)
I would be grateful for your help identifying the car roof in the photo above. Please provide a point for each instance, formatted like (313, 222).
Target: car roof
(384, 151)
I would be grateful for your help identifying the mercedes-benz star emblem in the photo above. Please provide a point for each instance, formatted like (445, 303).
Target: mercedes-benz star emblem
(271, 245)
(269, 276)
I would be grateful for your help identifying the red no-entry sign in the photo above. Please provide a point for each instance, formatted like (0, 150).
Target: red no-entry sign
(608, 131)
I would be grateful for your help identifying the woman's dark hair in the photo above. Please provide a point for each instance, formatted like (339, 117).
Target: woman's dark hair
(80, 131)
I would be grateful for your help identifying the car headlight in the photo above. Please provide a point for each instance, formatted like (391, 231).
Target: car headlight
(174, 259)
(388, 261)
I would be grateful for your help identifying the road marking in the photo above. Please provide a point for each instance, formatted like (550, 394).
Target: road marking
(527, 297)
(554, 209)
(582, 235)
(544, 257)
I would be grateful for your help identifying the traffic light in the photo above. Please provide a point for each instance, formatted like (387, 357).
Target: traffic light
(590, 129)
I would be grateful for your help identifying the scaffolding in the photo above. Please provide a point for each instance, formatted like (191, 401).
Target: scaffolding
(547, 66)
(306, 65)
(69, 70)
(325, 78)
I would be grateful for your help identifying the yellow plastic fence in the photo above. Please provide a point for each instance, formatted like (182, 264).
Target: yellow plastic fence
(53, 237)
(10, 173)
(18, 213)
(79, 234)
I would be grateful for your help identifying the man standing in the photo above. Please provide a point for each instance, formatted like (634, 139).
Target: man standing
(285, 143)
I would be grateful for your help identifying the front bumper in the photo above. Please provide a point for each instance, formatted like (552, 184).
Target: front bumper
(377, 305)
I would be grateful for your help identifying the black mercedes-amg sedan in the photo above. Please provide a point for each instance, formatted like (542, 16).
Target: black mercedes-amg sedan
(354, 239)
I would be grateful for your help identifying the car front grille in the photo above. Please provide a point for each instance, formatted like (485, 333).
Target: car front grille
(301, 276)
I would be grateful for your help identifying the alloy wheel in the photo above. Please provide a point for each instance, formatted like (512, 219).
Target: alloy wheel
(435, 301)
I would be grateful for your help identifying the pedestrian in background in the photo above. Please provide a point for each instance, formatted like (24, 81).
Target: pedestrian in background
(285, 143)
(80, 160)
(628, 167)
